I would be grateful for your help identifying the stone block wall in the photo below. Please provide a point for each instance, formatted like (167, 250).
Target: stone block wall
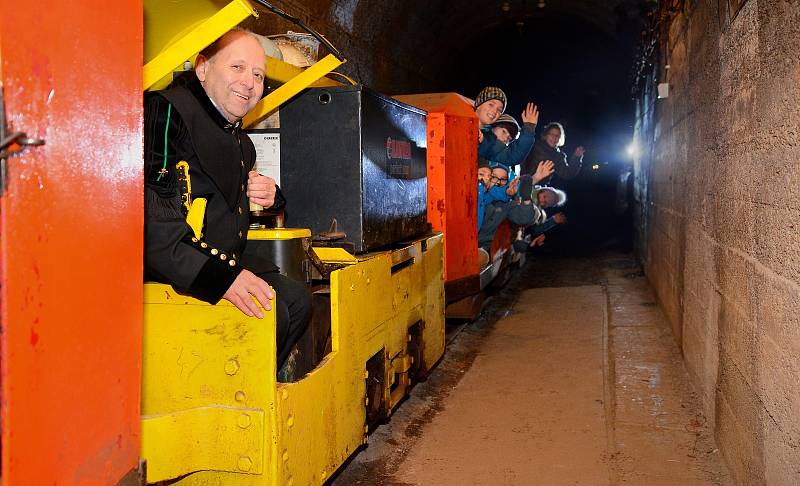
(718, 194)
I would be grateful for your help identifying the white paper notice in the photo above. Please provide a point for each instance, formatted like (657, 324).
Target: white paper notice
(268, 154)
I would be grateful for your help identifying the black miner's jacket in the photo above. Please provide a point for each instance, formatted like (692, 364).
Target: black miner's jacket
(220, 156)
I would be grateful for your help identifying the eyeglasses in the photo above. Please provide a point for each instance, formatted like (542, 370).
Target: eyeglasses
(500, 181)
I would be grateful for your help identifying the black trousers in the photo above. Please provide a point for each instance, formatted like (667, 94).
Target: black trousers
(292, 311)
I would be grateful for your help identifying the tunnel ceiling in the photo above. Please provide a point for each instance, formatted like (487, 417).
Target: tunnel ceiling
(399, 45)
(474, 17)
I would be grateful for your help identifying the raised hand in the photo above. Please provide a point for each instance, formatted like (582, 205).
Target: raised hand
(244, 289)
(543, 171)
(511, 190)
(531, 114)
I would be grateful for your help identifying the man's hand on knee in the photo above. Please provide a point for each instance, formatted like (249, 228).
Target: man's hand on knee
(246, 287)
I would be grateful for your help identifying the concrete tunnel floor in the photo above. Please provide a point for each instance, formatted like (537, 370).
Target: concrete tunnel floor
(570, 377)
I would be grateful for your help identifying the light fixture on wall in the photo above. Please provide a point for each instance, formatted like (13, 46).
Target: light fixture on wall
(505, 7)
(541, 4)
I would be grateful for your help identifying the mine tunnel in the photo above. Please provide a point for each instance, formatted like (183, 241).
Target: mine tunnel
(641, 327)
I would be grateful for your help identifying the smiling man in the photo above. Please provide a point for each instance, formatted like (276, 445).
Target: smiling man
(199, 121)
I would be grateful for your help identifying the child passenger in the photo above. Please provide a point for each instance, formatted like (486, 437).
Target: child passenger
(534, 235)
(506, 128)
(499, 206)
(489, 105)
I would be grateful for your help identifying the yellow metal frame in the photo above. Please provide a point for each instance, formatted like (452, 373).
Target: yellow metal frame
(169, 44)
(291, 87)
(335, 255)
(208, 387)
(162, 22)
(278, 233)
(213, 411)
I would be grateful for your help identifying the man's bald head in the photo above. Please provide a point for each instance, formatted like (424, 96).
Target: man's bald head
(232, 72)
(224, 40)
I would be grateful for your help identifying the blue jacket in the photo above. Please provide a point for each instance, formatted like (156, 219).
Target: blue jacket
(495, 193)
(498, 193)
(512, 154)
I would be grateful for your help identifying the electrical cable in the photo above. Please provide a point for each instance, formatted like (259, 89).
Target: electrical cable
(346, 77)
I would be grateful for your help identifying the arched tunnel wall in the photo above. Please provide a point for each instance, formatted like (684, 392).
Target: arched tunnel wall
(386, 43)
(718, 195)
(411, 46)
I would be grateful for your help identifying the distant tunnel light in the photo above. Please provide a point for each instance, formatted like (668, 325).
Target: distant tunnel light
(596, 167)
(633, 150)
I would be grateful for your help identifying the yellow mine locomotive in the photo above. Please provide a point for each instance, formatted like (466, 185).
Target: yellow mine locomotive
(213, 411)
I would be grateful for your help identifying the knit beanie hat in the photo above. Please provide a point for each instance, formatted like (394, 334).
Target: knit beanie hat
(491, 93)
(509, 123)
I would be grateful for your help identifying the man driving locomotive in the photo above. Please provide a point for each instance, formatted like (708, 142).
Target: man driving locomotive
(200, 121)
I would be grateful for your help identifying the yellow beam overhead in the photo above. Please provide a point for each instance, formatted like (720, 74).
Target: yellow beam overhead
(291, 87)
(279, 72)
(176, 30)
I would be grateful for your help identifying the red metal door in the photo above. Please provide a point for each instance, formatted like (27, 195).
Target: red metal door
(71, 242)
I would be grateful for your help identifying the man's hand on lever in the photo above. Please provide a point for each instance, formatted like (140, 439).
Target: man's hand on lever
(261, 189)
(244, 288)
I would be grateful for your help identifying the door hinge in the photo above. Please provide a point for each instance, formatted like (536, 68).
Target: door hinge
(11, 144)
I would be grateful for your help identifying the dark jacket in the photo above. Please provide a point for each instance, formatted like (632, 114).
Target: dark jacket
(509, 155)
(563, 170)
(220, 156)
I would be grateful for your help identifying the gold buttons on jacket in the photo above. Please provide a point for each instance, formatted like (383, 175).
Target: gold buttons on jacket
(194, 240)
(214, 251)
(232, 263)
(241, 210)
(240, 233)
(204, 244)
(242, 163)
(223, 257)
